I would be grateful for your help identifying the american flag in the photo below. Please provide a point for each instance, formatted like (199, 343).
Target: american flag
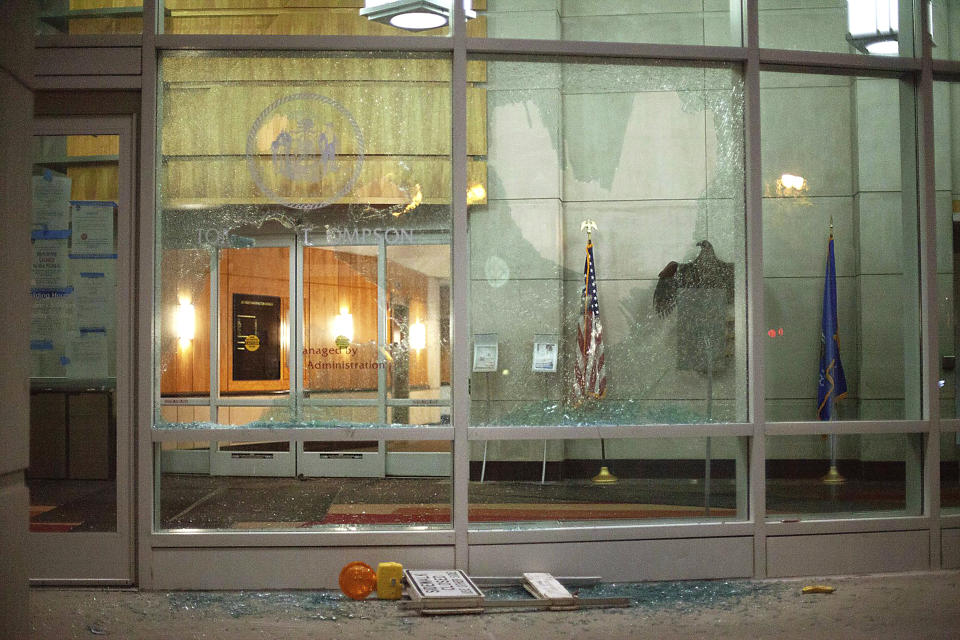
(590, 376)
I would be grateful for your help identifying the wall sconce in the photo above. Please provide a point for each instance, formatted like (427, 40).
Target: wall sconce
(476, 194)
(791, 186)
(184, 323)
(418, 336)
(414, 15)
(343, 325)
(873, 26)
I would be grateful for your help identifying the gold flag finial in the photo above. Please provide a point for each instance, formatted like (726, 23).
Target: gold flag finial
(589, 226)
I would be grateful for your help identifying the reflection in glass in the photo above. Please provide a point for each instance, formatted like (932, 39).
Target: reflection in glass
(649, 159)
(693, 23)
(311, 228)
(950, 472)
(872, 27)
(73, 334)
(418, 329)
(946, 117)
(520, 481)
(878, 474)
(270, 17)
(846, 138)
(77, 17)
(196, 492)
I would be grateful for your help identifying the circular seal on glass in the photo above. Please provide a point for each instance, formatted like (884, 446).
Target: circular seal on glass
(305, 151)
(251, 342)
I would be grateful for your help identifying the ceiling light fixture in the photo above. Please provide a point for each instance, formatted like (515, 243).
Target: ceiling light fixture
(414, 15)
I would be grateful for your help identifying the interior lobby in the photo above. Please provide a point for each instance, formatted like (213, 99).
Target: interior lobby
(641, 289)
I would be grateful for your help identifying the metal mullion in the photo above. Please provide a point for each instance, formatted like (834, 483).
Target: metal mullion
(460, 254)
(528, 432)
(844, 63)
(929, 308)
(295, 329)
(827, 524)
(66, 40)
(949, 426)
(382, 313)
(304, 43)
(340, 402)
(382, 345)
(417, 402)
(574, 48)
(54, 83)
(254, 402)
(214, 333)
(607, 530)
(342, 537)
(147, 373)
(847, 427)
(945, 69)
(299, 434)
(756, 481)
(184, 402)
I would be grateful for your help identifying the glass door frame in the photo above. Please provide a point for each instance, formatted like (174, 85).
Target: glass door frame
(371, 465)
(323, 464)
(230, 463)
(103, 557)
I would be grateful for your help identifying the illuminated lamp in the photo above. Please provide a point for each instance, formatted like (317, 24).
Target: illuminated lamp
(418, 336)
(414, 15)
(476, 194)
(873, 26)
(343, 325)
(184, 323)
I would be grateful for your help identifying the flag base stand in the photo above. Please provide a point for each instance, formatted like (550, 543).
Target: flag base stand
(604, 477)
(833, 476)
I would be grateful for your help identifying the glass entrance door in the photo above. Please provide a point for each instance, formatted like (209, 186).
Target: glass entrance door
(81, 352)
(320, 333)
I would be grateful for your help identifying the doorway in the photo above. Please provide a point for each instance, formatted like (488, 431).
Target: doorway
(318, 332)
(81, 392)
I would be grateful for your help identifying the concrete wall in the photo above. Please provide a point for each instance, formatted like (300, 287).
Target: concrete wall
(16, 29)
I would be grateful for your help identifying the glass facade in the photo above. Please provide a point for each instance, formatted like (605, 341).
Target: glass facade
(845, 476)
(534, 483)
(837, 157)
(658, 182)
(572, 266)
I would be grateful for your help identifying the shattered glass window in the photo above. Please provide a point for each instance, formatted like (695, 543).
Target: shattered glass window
(607, 253)
(303, 231)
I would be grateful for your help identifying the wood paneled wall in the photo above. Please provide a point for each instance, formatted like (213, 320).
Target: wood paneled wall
(332, 280)
(210, 105)
(93, 180)
(186, 274)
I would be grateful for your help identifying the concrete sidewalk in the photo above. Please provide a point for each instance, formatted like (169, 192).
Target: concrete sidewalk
(920, 605)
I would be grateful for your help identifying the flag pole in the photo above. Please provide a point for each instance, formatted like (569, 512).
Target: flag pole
(604, 476)
(833, 476)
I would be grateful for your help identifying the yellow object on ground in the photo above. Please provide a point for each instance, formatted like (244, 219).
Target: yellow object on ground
(389, 577)
(818, 588)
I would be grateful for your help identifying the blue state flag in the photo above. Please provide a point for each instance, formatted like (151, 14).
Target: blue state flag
(833, 384)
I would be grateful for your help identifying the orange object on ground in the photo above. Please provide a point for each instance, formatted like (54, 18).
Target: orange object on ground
(358, 580)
